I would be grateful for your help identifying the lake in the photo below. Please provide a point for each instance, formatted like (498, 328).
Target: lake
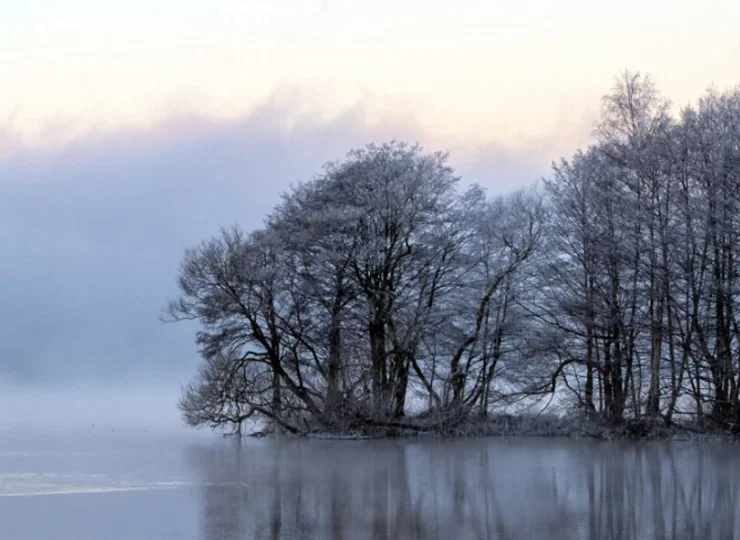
(133, 485)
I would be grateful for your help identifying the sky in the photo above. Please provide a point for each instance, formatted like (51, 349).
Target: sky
(130, 131)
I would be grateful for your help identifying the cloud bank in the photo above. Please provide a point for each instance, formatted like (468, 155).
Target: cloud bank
(93, 231)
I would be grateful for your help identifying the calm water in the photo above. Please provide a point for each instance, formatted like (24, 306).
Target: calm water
(120, 486)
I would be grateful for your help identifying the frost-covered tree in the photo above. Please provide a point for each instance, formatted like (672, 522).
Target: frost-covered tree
(382, 287)
(376, 281)
(640, 283)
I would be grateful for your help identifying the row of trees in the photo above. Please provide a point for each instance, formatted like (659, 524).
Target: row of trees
(643, 268)
(381, 286)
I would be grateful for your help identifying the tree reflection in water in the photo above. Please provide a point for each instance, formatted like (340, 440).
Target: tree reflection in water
(474, 488)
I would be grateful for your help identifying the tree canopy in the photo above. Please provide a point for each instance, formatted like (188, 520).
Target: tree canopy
(383, 286)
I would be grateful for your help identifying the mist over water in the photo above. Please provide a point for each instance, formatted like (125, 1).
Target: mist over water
(122, 485)
(94, 408)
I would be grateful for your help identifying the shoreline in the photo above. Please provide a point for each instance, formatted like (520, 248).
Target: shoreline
(512, 426)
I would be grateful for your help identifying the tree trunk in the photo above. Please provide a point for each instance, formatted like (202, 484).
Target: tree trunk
(334, 377)
(400, 386)
(378, 361)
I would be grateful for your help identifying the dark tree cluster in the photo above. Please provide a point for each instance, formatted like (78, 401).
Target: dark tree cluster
(383, 287)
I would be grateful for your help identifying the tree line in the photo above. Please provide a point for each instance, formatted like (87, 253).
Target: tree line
(384, 287)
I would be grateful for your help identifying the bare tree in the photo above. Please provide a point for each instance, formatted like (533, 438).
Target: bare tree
(381, 287)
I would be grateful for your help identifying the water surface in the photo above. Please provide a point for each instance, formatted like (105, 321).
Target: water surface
(116, 486)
